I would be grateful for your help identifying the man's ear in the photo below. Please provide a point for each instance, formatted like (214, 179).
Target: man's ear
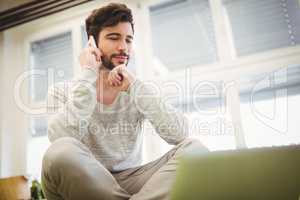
(98, 44)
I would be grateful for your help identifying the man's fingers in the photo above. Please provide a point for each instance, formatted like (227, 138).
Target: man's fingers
(114, 78)
(93, 47)
(96, 52)
(119, 77)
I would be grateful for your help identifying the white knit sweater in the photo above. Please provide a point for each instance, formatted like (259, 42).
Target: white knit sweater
(112, 133)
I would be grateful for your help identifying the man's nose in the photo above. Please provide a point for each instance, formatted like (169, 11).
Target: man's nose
(122, 46)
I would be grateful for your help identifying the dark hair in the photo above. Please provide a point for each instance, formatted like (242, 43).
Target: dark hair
(107, 16)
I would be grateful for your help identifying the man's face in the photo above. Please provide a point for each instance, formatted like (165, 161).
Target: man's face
(115, 44)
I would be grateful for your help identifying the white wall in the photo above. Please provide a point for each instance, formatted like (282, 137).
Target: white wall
(13, 121)
(1, 79)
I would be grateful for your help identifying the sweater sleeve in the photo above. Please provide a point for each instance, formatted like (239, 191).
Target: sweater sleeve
(168, 122)
(71, 106)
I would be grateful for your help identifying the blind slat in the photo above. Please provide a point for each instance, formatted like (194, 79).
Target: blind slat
(263, 25)
(183, 34)
(55, 53)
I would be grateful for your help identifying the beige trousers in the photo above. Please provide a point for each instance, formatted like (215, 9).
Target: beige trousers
(70, 172)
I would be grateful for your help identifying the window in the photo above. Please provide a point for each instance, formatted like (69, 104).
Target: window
(208, 113)
(181, 40)
(270, 107)
(215, 131)
(37, 147)
(209, 116)
(53, 55)
(51, 61)
(182, 33)
(259, 26)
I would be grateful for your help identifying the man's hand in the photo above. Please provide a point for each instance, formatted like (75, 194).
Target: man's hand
(90, 57)
(120, 77)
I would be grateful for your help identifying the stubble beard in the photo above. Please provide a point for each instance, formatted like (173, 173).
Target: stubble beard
(108, 64)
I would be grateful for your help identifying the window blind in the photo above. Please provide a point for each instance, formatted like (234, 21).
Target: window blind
(259, 26)
(183, 33)
(55, 54)
(264, 86)
(38, 126)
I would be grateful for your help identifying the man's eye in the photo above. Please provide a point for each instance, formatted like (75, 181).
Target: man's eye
(113, 38)
(129, 41)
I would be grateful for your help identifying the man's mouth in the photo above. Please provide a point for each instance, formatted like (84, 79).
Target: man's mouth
(120, 58)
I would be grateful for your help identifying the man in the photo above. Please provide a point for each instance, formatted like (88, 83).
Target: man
(96, 126)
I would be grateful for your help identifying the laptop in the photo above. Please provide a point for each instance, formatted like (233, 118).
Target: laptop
(270, 173)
